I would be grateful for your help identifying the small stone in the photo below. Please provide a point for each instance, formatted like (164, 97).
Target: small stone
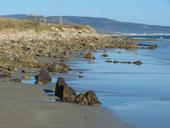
(23, 71)
(80, 76)
(116, 62)
(90, 56)
(105, 55)
(25, 77)
(137, 62)
(108, 61)
(15, 80)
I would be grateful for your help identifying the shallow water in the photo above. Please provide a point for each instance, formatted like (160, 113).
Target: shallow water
(140, 95)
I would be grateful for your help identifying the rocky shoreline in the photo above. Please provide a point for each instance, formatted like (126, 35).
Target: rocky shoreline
(23, 48)
(26, 48)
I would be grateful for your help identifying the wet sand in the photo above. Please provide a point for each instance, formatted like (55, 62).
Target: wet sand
(27, 106)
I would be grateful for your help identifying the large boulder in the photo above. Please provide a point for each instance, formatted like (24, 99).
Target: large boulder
(43, 77)
(88, 98)
(64, 92)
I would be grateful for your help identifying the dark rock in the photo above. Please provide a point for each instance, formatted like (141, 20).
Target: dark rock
(153, 46)
(80, 72)
(23, 71)
(16, 80)
(43, 77)
(105, 55)
(125, 62)
(61, 82)
(148, 46)
(81, 76)
(108, 61)
(64, 92)
(89, 98)
(137, 62)
(90, 56)
(5, 75)
(116, 62)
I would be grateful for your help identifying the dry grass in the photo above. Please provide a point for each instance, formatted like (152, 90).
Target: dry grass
(6, 23)
(21, 25)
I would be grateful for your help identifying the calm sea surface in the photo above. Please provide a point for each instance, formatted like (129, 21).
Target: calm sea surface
(139, 95)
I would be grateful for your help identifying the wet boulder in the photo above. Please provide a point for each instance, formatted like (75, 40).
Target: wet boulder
(64, 92)
(43, 77)
(137, 62)
(104, 55)
(153, 46)
(108, 61)
(88, 98)
(90, 55)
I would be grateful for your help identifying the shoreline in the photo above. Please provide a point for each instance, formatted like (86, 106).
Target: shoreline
(27, 105)
(29, 50)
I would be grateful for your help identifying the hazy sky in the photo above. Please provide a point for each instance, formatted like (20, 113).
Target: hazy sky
(141, 11)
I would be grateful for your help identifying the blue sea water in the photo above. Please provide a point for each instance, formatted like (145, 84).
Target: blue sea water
(139, 95)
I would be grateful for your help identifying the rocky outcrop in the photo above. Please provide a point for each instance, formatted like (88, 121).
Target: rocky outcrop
(68, 94)
(137, 62)
(64, 92)
(22, 47)
(147, 46)
(88, 98)
(59, 68)
(43, 77)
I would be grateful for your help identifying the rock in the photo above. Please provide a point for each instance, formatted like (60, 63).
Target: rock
(59, 68)
(4, 75)
(148, 46)
(25, 77)
(105, 55)
(81, 76)
(90, 56)
(23, 71)
(64, 92)
(153, 46)
(89, 98)
(137, 62)
(125, 62)
(80, 72)
(16, 80)
(43, 77)
(116, 62)
(108, 61)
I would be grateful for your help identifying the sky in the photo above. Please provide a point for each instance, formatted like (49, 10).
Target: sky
(154, 12)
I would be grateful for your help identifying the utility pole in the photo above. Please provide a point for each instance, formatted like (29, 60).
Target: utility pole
(61, 11)
(45, 19)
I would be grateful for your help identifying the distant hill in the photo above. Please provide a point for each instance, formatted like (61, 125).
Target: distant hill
(103, 24)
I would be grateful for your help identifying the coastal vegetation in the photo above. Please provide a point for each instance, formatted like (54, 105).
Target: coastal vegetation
(103, 25)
